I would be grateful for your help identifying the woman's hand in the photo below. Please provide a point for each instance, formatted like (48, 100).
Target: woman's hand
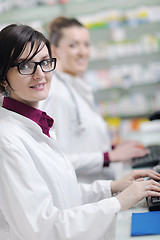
(136, 192)
(135, 175)
(127, 150)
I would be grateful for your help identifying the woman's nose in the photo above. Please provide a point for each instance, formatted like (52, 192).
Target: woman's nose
(83, 50)
(39, 73)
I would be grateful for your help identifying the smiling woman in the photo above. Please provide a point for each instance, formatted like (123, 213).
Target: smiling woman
(70, 44)
(84, 134)
(33, 78)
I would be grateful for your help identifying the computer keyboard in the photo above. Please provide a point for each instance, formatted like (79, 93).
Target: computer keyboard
(150, 160)
(153, 203)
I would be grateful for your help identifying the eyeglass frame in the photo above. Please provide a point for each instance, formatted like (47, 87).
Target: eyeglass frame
(36, 64)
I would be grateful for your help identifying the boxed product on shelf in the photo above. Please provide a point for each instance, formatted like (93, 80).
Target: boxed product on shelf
(120, 17)
(124, 76)
(146, 44)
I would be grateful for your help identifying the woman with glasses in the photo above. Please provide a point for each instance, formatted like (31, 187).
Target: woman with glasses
(40, 198)
(81, 132)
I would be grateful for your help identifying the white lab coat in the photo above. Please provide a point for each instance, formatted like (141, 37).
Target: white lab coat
(39, 195)
(84, 148)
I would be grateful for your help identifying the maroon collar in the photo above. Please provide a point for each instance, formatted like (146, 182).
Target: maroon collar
(39, 117)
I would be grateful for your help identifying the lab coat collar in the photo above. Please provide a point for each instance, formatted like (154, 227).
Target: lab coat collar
(39, 117)
(79, 85)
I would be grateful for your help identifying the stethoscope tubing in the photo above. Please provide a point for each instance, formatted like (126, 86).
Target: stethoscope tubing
(79, 120)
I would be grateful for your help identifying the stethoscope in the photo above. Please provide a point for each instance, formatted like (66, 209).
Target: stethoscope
(80, 124)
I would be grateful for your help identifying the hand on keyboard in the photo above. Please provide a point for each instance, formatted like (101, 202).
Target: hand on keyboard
(152, 159)
(153, 203)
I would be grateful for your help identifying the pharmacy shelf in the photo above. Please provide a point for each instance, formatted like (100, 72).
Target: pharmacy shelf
(132, 32)
(74, 8)
(130, 116)
(141, 59)
(42, 12)
(116, 92)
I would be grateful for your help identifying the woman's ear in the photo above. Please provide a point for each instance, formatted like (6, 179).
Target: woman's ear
(4, 83)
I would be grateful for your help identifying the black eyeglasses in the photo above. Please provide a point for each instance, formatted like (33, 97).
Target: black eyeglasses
(28, 68)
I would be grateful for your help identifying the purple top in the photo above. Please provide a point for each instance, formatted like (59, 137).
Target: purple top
(39, 117)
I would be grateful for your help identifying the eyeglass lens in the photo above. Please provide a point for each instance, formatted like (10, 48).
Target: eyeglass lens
(46, 65)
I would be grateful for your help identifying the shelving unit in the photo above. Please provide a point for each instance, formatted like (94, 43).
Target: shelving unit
(79, 8)
(142, 59)
(42, 13)
(124, 90)
(131, 31)
(117, 92)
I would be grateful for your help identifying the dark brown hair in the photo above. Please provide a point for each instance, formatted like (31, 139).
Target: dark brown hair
(13, 40)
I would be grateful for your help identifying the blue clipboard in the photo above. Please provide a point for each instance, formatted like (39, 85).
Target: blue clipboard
(147, 223)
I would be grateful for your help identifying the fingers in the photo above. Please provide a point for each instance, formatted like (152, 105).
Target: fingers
(136, 192)
(146, 173)
(150, 183)
(152, 188)
(147, 185)
(140, 152)
(139, 180)
(153, 174)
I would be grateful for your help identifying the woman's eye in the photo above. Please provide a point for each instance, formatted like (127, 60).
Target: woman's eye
(87, 44)
(24, 66)
(45, 62)
(73, 45)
